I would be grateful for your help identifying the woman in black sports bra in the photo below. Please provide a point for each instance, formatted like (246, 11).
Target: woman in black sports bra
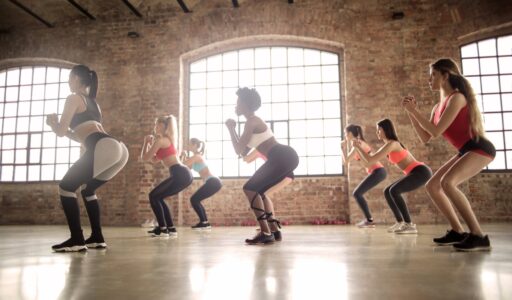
(103, 159)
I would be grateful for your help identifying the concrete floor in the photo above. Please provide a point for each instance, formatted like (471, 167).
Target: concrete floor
(313, 262)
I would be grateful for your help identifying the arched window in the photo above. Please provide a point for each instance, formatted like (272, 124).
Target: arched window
(30, 150)
(488, 66)
(301, 101)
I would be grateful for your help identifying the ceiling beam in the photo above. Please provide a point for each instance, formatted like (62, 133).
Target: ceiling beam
(81, 9)
(30, 12)
(235, 3)
(132, 8)
(290, 1)
(184, 6)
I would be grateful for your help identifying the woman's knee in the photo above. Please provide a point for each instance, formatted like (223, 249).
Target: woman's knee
(433, 185)
(448, 182)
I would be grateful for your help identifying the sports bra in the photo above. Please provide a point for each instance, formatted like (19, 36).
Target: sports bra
(459, 131)
(165, 152)
(373, 167)
(395, 157)
(198, 166)
(258, 138)
(92, 113)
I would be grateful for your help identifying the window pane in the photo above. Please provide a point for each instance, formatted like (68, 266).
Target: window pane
(508, 141)
(295, 57)
(490, 84)
(214, 132)
(315, 128)
(492, 102)
(475, 84)
(316, 165)
(311, 57)
(332, 146)
(281, 130)
(50, 106)
(493, 122)
(197, 97)
(331, 109)
(296, 75)
(22, 124)
(9, 125)
(506, 101)
(333, 164)
(47, 172)
(279, 76)
(297, 92)
(64, 75)
(214, 63)
(13, 76)
(262, 77)
(62, 155)
(197, 115)
(21, 156)
(38, 92)
(52, 75)
(20, 173)
(246, 78)
(279, 93)
(10, 109)
(64, 90)
(280, 111)
(21, 141)
(298, 110)
(3, 75)
(469, 51)
(26, 76)
(230, 79)
(214, 79)
(315, 147)
(11, 94)
(505, 45)
(8, 142)
(330, 73)
(507, 117)
(74, 154)
(230, 60)
(246, 59)
(265, 93)
(198, 66)
(506, 83)
(7, 157)
(329, 58)
(39, 75)
(198, 80)
(313, 74)
(52, 91)
(229, 167)
(214, 97)
(279, 58)
(314, 110)
(505, 64)
(214, 114)
(498, 162)
(489, 65)
(2, 94)
(49, 139)
(262, 58)
(60, 171)
(497, 139)
(25, 93)
(487, 47)
(36, 123)
(48, 156)
(35, 156)
(33, 173)
(37, 108)
(470, 66)
(313, 91)
(7, 173)
(297, 129)
(332, 127)
(35, 140)
(331, 91)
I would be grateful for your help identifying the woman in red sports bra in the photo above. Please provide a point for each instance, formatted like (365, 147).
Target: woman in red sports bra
(458, 119)
(162, 149)
(376, 172)
(416, 174)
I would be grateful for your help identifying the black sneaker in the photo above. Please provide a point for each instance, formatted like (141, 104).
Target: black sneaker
(71, 245)
(157, 232)
(451, 237)
(202, 226)
(172, 231)
(474, 243)
(277, 235)
(261, 239)
(95, 242)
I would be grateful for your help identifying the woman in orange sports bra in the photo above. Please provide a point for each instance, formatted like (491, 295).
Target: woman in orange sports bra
(376, 172)
(416, 174)
(162, 149)
(458, 119)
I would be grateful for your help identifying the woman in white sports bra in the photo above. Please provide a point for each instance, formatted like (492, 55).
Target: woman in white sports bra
(103, 159)
(281, 161)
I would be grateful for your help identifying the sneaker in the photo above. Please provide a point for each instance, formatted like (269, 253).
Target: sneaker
(157, 232)
(395, 226)
(451, 237)
(407, 228)
(261, 239)
(277, 235)
(71, 245)
(365, 224)
(95, 243)
(473, 242)
(147, 224)
(172, 232)
(202, 226)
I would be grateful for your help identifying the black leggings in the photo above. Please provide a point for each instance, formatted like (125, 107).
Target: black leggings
(374, 178)
(393, 193)
(281, 161)
(211, 186)
(180, 178)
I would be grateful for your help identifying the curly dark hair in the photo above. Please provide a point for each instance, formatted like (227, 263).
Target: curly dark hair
(250, 97)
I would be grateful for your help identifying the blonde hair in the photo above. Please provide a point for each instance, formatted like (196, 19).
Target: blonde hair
(460, 83)
(171, 128)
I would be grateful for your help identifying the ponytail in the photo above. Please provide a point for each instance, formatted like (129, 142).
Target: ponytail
(88, 77)
(356, 130)
(93, 88)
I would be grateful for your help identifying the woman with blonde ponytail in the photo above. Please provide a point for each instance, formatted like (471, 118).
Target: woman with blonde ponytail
(162, 147)
(211, 186)
(458, 119)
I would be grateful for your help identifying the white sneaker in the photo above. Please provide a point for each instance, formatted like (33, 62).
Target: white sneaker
(407, 228)
(365, 224)
(395, 227)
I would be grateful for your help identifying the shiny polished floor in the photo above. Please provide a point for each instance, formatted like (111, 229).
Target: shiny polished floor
(313, 262)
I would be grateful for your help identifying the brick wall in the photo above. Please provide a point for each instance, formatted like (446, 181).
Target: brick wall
(139, 79)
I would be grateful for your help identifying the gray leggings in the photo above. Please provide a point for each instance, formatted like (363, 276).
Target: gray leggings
(393, 193)
(374, 178)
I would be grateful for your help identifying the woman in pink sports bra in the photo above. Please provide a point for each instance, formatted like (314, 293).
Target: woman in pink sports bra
(458, 119)
(416, 174)
(376, 172)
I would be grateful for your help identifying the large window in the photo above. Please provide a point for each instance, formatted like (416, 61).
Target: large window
(30, 151)
(488, 65)
(300, 92)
